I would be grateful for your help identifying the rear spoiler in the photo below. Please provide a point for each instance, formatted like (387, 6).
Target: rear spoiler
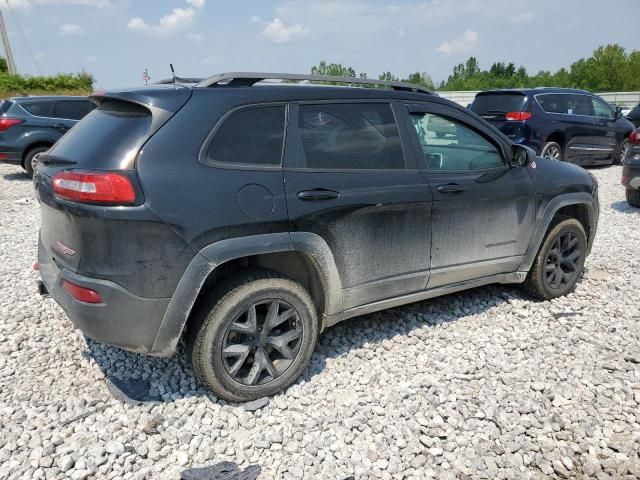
(166, 98)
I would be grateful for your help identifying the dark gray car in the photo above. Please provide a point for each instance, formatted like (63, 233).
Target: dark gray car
(31, 125)
(249, 218)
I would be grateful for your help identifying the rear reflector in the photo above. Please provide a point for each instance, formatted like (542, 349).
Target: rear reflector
(517, 116)
(36, 266)
(7, 123)
(94, 187)
(634, 138)
(81, 294)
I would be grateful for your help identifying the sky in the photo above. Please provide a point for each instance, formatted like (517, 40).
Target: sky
(115, 40)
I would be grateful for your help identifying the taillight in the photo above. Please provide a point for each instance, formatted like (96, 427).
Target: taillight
(634, 138)
(82, 294)
(517, 116)
(7, 123)
(108, 188)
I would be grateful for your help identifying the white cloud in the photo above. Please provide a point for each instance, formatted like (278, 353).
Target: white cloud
(178, 19)
(467, 42)
(522, 18)
(278, 32)
(71, 29)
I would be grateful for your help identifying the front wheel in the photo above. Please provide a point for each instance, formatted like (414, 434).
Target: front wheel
(255, 337)
(559, 262)
(551, 150)
(633, 197)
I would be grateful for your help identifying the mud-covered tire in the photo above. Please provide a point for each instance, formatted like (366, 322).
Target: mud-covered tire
(633, 197)
(537, 283)
(28, 159)
(213, 321)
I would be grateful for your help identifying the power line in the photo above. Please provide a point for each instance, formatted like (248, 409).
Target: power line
(26, 42)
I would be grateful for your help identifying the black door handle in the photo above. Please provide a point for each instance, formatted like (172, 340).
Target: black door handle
(317, 195)
(451, 188)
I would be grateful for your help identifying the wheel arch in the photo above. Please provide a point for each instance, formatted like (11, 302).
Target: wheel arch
(574, 205)
(303, 257)
(557, 136)
(31, 146)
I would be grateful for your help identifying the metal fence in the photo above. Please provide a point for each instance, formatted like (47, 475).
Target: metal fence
(619, 98)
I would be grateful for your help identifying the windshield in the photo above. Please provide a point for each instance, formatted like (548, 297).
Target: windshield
(498, 103)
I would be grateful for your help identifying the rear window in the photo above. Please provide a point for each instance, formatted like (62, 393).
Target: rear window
(107, 137)
(252, 136)
(39, 109)
(498, 103)
(72, 109)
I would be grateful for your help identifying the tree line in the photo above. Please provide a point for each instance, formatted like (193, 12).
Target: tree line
(609, 69)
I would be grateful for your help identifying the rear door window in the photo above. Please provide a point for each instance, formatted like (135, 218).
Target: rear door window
(251, 136)
(578, 105)
(349, 136)
(552, 103)
(72, 109)
(497, 103)
(39, 109)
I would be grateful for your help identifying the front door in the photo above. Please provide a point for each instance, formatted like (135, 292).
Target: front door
(604, 144)
(483, 209)
(350, 180)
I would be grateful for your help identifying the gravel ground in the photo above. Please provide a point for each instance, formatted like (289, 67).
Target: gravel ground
(483, 384)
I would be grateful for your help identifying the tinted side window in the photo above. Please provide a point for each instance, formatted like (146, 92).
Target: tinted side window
(71, 109)
(601, 109)
(450, 145)
(349, 136)
(40, 109)
(578, 105)
(252, 136)
(552, 103)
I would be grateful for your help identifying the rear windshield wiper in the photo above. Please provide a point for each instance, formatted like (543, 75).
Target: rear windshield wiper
(56, 161)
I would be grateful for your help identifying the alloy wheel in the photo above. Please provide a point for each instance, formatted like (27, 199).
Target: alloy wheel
(562, 260)
(262, 342)
(552, 151)
(622, 151)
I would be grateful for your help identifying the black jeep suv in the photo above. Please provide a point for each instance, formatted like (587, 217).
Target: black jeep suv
(250, 216)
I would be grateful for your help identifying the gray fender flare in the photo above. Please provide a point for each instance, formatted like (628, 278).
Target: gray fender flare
(544, 220)
(214, 255)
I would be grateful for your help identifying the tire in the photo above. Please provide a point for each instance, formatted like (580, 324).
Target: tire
(633, 197)
(223, 323)
(28, 164)
(544, 284)
(621, 152)
(552, 150)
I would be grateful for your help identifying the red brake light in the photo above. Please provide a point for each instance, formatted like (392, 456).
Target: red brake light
(7, 123)
(94, 187)
(517, 116)
(82, 294)
(634, 138)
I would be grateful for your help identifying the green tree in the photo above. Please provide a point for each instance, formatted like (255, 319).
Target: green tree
(4, 68)
(421, 78)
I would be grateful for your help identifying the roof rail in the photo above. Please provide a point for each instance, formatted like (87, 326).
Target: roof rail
(247, 79)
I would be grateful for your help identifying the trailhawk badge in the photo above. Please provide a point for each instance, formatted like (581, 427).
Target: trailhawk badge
(66, 250)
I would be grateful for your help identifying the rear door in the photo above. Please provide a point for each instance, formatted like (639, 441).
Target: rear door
(483, 210)
(350, 180)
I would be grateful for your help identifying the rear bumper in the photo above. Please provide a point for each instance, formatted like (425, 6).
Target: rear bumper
(10, 156)
(122, 319)
(631, 168)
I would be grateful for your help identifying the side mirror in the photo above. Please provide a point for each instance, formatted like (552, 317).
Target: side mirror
(522, 156)
(618, 113)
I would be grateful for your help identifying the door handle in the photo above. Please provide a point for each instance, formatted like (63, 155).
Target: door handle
(317, 195)
(60, 126)
(451, 188)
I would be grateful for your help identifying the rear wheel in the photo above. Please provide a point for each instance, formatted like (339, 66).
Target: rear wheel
(559, 262)
(621, 152)
(552, 150)
(254, 337)
(30, 159)
(633, 197)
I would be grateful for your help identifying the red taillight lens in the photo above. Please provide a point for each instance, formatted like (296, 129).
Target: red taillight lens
(634, 138)
(7, 123)
(94, 187)
(517, 116)
(82, 294)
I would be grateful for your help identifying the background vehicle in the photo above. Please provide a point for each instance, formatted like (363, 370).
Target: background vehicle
(31, 125)
(563, 124)
(634, 116)
(191, 215)
(631, 171)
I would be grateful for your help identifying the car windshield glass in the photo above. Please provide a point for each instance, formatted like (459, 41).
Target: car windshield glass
(498, 103)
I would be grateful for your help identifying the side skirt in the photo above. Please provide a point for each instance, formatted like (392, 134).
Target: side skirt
(504, 278)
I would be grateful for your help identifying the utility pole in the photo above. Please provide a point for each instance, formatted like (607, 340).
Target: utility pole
(11, 65)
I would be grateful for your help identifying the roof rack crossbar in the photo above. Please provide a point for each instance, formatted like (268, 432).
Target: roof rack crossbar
(248, 79)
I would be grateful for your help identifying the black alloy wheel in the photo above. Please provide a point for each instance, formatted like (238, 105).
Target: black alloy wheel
(562, 261)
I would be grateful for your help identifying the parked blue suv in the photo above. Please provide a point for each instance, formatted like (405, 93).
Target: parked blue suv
(31, 125)
(559, 123)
